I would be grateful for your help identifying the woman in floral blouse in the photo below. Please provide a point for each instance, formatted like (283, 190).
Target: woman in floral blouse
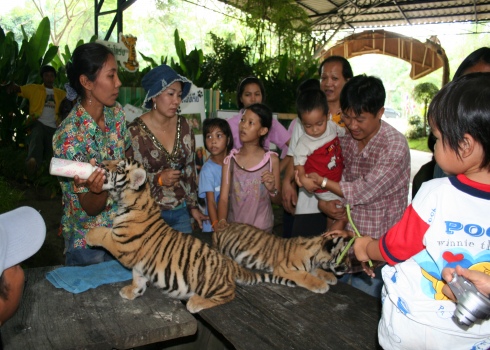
(95, 130)
(164, 143)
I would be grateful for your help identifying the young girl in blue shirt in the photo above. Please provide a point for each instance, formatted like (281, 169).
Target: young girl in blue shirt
(218, 141)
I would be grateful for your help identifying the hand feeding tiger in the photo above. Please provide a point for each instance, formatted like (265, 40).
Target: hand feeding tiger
(183, 266)
(300, 259)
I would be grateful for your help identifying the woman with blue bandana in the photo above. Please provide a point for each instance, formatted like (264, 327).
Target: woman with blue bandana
(164, 143)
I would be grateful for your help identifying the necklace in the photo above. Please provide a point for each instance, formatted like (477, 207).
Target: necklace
(172, 157)
(155, 125)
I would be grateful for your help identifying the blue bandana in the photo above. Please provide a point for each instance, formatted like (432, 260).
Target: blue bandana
(159, 79)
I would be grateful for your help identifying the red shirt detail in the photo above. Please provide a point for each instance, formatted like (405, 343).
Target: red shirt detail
(396, 245)
(321, 161)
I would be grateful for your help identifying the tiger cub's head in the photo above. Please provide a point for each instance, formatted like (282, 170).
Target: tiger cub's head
(331, 249)
(123, 174)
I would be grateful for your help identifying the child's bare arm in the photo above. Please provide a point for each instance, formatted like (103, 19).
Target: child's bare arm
(277, 199)
(224, 192)
(212, 207)
(367, 248)
(301, 174)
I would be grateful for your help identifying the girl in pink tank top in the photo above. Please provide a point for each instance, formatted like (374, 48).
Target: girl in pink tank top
(250, 180)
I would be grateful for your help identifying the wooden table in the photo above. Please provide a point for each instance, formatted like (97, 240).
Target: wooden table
(277, 317)
(51, 318)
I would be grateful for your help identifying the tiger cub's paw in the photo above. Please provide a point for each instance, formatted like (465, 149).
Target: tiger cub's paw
(95, 236)
(320, 288)
(130, 292)
(326, 276)
(332, 280)
(91, 237)
(193, 307)
(197, 303)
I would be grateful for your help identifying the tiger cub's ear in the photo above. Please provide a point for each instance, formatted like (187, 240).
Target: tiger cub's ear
(137, 178)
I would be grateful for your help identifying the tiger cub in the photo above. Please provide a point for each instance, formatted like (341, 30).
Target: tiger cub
(183, 266)
(300, 259)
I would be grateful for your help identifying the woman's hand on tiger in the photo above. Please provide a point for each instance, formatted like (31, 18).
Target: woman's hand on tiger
(198, 216)
(268, 181)
(169, 177)
(339, 233)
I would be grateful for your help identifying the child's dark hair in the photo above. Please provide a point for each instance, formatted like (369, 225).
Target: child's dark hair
(87, 59)
(463, 107)
(209, 125)
(47, 68)
(241, 87)
(308, 84)
(480, 55)
(65, 108)
(363, 94)
(309, 100)
(265, 116)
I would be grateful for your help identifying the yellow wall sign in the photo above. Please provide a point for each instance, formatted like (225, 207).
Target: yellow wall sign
(124, 51)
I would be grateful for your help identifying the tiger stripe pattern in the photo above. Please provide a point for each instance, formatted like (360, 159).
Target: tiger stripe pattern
(180, 264)
(303, 260)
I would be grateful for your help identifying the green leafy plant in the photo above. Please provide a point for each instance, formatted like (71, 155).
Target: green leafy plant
(21, 66)
(423, 93)
(281, 84)
(229, 64)
(416, 128)
(62, 58)
(189, 65)
(279, 25)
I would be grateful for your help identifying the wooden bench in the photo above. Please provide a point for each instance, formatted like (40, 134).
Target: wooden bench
(260, 317)
(277, 317)
(50, 318)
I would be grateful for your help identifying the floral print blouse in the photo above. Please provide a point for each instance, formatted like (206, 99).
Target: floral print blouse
(79, 138)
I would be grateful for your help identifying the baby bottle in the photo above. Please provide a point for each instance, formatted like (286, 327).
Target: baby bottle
(70, 168)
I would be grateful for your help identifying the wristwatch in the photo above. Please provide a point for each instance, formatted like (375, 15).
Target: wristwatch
(324, 183)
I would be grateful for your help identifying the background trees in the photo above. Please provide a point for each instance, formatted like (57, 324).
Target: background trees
(423, 93)
(271, 41)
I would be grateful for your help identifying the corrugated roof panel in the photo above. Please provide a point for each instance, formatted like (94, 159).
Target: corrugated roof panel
(348, 14)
